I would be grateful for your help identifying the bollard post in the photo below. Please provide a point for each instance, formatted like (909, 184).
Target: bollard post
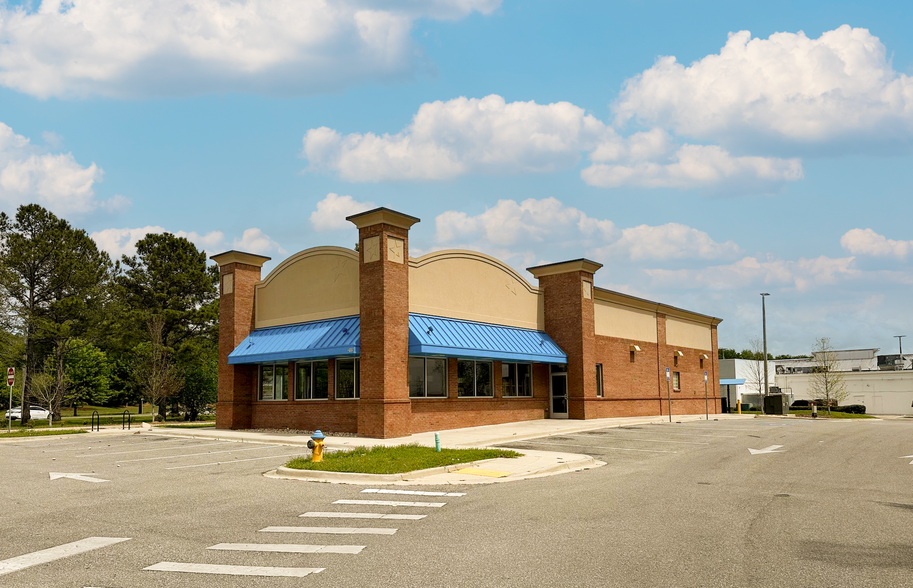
(437, 442)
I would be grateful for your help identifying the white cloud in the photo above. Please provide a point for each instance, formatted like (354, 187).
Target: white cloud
(488, 135)
(256, 241)
(448, 139)
(332, 211)
(868, 242)
(510, 223)
(168, 47)
(119, 242)
(534, 224)
(787, 87)
(669, 241)
(695, 166)
(54, 180)
(802, 274)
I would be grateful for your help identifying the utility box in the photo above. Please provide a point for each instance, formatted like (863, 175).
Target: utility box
(776, 404)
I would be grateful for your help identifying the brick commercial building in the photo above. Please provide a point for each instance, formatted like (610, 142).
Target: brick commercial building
(380, 344)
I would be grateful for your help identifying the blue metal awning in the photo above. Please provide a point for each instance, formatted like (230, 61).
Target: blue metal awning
(731, 382)
(428, 335)
(316, 340)
(433, 335)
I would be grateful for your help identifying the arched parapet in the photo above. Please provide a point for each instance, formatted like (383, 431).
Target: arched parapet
(314, 284)
(468, 285)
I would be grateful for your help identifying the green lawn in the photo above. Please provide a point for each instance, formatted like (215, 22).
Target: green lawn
(822, 413)
(395, 460)
(40, 432)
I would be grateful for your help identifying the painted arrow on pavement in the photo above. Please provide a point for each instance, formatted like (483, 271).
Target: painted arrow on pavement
(82, 477)
(771, 449)
(905, 457)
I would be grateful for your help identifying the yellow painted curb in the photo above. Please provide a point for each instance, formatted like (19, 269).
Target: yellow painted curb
(481, 472)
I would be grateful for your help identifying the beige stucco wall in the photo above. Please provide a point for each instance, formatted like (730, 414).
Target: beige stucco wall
(472, 286)
(681, 333)
(314, 284)
(615, 320)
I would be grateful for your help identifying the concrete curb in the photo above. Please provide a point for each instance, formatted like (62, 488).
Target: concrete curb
(416, 477)
(353, 478)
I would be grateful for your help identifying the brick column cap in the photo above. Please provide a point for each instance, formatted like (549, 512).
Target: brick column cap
(240, 257)
(564, 267)
(385, 216)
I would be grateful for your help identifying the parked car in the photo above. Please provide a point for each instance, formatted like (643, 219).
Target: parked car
(35, 412)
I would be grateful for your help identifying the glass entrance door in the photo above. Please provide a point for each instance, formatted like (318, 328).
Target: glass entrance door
(559, 395)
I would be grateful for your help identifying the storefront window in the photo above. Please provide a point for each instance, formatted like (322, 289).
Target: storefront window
(347, 384)
(516, 379)
(474, 378)
(273, 382)
(311, 381)
(427, 377)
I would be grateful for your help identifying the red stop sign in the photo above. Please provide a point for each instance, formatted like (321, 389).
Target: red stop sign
(10, 376)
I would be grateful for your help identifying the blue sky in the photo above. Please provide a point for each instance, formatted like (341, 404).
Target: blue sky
(772, 161)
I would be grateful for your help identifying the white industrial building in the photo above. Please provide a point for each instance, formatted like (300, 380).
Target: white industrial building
(883, 383)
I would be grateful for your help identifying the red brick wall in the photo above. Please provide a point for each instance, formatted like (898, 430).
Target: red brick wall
(236, 320)
(384, 408)
(639, 388)
(570, 322)
(330, 415)
(453, 412)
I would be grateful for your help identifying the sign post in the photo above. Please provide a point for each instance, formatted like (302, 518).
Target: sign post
(669, 393)
(10, 380)
(706, 398)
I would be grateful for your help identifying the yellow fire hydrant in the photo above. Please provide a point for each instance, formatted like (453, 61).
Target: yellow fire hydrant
(316, 446)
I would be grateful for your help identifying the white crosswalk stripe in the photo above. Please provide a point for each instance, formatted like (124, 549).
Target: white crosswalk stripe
(391, 503)
(411, 492)
(361, 515)
(28, 560)
(332, 530)
(192, 568)
(288, 548)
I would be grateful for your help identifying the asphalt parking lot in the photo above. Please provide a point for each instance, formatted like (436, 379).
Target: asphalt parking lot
(763, 502)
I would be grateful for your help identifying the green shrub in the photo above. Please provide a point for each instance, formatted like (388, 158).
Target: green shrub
(850, 408)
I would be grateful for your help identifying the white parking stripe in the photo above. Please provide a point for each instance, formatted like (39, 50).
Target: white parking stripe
(332, 530)
(170, 566)
(54, 553)
(391, 503)
(289, 548)
(361, 515)
(626, 438)
(200, 465)
(412, 492)
(597, 447)
(676, 434)
(195, 454)
(170, 447)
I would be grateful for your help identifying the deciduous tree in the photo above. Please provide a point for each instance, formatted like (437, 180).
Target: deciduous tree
(826, 381)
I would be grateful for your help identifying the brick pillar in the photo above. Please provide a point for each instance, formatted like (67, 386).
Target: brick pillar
(714, 373)
(384, 409)
(569, 320)
(663, 361)
(239, 273)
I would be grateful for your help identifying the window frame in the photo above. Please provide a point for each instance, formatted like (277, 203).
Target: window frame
(677, 381)
(275, 398)
(600, 387)
(425, 394)
(312, 380)
(475, 378)
(516, 385)
(357, 379)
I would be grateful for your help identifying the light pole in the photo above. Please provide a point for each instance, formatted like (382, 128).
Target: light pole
(706, 398)
(764, 331)
(900, 342)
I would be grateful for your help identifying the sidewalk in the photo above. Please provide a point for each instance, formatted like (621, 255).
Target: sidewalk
(532, 464)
